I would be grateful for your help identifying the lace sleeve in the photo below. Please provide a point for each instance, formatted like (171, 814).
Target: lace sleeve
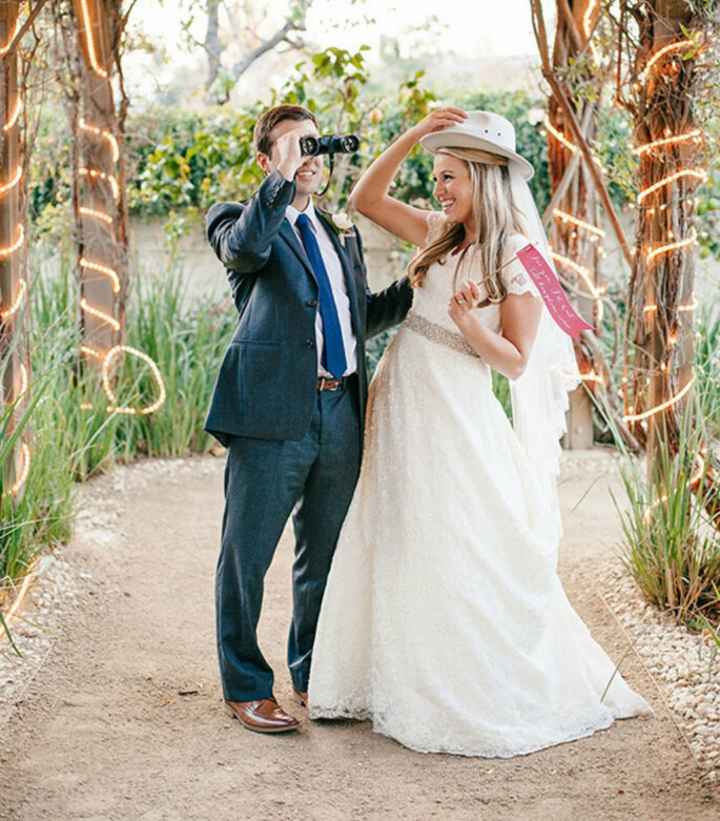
(514, 276)
(436, 222)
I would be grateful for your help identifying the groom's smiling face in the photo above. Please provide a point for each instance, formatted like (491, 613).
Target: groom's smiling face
(308, 178)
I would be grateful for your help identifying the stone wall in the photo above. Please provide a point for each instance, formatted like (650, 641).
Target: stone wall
(205, 275)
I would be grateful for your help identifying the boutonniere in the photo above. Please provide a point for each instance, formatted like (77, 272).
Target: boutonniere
(342, 224)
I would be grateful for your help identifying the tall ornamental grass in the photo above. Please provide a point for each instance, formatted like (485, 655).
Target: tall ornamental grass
(66, 420)
(670, 546)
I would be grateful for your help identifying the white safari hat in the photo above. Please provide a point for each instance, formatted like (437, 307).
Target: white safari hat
(481, 129)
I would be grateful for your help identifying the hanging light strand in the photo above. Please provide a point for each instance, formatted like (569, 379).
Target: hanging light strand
(104, 134)
(98, 215)
(11, 39)
(691, 136)
(154, 370)
(10, 311)
(671, 48)
(638, 417)
(587, 17)
(13, 118)
(14, 180)
(111, 179)
(104, 270)
(90, 39)
(693, 173)
(98, 314)
(563, 216)
(670, 247)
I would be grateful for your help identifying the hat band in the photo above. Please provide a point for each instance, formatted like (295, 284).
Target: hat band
(474, 155)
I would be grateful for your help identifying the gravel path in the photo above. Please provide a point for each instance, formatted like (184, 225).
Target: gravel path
(115, 712)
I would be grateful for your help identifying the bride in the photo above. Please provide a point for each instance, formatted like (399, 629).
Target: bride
(444, 620)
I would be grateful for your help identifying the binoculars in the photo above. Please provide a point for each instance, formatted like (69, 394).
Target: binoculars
(312, 146)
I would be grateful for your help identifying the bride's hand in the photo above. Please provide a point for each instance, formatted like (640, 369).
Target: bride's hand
(437, 120)
(467, 298)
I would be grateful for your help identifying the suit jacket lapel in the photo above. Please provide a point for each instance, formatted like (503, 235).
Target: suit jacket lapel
(347, 272)
(287, 232)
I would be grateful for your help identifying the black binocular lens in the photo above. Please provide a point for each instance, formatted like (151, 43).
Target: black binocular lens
(312, 146)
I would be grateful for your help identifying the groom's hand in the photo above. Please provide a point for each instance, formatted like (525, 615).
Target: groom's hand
(289, 157)
(463, 302)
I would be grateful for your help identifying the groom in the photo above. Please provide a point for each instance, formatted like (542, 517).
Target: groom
(289, 403)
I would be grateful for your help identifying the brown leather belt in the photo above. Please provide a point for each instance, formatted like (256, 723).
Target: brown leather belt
(327, 383)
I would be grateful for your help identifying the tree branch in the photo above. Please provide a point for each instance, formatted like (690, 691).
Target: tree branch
(538, 21)
(280, 36)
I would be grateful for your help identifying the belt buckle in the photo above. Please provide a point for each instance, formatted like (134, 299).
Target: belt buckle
(326, 383)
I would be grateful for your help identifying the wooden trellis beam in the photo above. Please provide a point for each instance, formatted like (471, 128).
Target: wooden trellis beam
(102, 260)
(13, 284)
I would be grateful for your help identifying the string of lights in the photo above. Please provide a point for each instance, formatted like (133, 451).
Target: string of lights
(695, 136)
(10, 311)
(5, 48)
(587, 17)
(92, 48)
(639, 417)
(104, 270)
(671, 48)
(593, 232)
(595, 293)
(13, 118)
(98, 314)
(564, 217)
(671, 244)
(106, 139)
(154, 370)
(111, 179)
(14, 180)
(694, 173)
(696, 476)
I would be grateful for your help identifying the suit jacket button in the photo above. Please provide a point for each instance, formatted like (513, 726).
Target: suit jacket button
(309, 343)
(312, 303)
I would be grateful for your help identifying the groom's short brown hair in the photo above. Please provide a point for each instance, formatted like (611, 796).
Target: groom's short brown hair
(270, 118)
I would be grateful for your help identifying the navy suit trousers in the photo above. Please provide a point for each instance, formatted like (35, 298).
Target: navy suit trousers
(264, 481)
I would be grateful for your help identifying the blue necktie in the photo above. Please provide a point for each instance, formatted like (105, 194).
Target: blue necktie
(333, 356)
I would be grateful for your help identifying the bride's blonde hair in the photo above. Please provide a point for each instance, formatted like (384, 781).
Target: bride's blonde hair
(495, 216)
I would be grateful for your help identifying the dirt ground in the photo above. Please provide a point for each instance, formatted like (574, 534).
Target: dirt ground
(125, 720)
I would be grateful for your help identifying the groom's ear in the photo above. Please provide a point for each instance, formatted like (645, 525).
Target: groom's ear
(264, 162)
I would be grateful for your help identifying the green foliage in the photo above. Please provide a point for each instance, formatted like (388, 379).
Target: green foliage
(707, 369)
(196, 161)
(375, 348)
(708, 211)
(188, 347)
(670, 547)
(180, 161)
(73, 436)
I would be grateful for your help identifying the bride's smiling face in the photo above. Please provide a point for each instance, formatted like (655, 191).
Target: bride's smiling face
(453, 187)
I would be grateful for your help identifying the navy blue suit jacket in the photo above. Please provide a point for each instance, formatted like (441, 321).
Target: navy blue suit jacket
(267, 382)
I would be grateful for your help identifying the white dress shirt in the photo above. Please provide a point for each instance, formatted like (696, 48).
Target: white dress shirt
(337, 283)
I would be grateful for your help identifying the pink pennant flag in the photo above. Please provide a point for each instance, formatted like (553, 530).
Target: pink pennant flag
(551, 291)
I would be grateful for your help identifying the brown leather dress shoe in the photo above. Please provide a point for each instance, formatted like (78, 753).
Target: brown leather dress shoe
(262, 716)
(302, 697)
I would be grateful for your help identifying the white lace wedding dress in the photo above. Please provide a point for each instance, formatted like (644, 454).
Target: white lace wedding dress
(444, 620)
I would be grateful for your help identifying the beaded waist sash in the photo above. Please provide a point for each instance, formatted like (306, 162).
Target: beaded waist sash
(436, 333)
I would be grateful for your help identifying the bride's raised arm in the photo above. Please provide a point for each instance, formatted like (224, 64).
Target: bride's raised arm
(370, 195)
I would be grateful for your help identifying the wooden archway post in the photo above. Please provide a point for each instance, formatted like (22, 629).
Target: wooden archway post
(13, 284)
(574, 210)
(100, 215)
(669, 138)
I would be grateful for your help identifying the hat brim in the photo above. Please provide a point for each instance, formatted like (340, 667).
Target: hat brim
(453, 138)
